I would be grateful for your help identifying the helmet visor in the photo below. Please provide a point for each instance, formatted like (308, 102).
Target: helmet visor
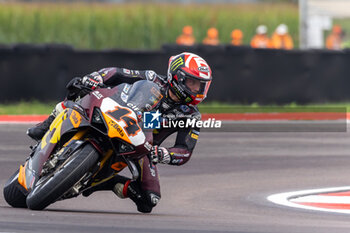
(193, 85)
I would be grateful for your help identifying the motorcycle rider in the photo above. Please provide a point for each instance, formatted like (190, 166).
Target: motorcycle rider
(186, 85)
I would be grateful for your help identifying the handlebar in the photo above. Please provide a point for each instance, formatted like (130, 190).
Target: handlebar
(78, 84)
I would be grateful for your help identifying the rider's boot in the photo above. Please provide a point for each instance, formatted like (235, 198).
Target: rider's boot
(130, 189)
(37, 132)
(124, 188)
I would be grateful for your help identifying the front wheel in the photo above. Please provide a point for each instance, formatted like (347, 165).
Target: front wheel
(48, 189)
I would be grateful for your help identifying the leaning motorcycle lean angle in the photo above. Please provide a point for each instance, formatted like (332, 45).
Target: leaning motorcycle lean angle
(87, 144)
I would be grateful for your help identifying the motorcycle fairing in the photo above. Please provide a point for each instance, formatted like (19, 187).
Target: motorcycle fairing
(122, 122)
(66, 121)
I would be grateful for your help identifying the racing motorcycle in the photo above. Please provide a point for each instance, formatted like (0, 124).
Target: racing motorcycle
(87, 144)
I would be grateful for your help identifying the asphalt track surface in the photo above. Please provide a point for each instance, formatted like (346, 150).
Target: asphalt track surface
(223, 188)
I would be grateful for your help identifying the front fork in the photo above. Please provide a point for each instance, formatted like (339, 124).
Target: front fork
(27, 176)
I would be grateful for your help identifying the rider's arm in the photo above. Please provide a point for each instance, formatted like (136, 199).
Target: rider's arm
(186, 140)
(115, 76)
(111, 77)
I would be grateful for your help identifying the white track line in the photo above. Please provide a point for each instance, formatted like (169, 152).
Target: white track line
(285, 198)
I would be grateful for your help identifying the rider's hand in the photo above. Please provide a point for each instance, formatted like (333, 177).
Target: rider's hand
(92, 80)
(160, 155)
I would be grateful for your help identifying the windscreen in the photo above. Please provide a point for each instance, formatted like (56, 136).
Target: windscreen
(144, 96)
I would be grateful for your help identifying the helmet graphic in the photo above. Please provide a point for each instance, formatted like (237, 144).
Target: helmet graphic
(189, 78)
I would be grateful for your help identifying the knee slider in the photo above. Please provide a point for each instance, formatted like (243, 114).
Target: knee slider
(152, 198)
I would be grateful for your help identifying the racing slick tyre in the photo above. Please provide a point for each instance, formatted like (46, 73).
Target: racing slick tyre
(50, 188)
(13, 194)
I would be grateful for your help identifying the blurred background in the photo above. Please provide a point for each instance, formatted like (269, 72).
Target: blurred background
(138, 24)
(261, 51)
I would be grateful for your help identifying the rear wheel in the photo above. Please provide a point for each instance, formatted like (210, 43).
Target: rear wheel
(13, 194)
(50, 188)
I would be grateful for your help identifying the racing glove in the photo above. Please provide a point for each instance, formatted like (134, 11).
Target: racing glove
(92, 80)
(160, 155)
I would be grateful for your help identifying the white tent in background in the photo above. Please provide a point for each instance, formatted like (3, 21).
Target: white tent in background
(316, 16)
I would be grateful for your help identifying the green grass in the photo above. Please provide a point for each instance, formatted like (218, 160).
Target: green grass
(137, 25)
(20, 108)
(36, 107)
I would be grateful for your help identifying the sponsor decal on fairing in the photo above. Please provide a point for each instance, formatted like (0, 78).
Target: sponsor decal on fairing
(126, 88)
(97, 94)
(124, 97)
(122, 121)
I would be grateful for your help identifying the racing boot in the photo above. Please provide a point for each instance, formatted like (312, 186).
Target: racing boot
(37, 132)
(130, 189)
